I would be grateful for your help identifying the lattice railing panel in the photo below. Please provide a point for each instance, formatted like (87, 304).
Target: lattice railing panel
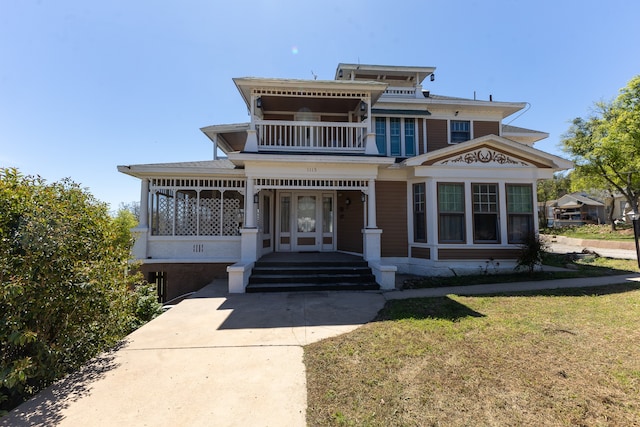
(210, 217)
(186, 217)
(165, 216)
(231, 221)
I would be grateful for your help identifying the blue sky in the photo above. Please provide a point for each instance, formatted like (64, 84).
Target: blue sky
(86, 86)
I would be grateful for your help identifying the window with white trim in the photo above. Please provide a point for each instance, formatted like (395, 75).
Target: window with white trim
(451, 222)
(485, 213)
(459, 131)
(419, 212)
(396, 136)
(519, 212)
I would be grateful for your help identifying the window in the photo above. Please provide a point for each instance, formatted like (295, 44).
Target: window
(395, 136)
(419, 213)
(460, 131)
(519, 212)
(485, 213)
(381, 135)
(451, 228)
(401, 139)
(409, 137)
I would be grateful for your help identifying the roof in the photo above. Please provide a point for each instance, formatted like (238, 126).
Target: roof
(576, 200)
(220, 166)
(388, 73)
(523, 135)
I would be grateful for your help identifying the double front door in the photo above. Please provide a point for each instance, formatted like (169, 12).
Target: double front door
(306, 221)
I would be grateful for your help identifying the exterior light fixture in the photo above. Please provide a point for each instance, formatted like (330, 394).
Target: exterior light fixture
(433, 77)
(259, 102)
(256, 198)
(363, 106)
(347, 201)
(363, 197)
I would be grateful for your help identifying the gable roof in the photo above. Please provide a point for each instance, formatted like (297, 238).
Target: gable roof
(576, 200)
(520, 151)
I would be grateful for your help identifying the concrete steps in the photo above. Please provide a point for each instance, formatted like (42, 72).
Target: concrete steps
(311, 275)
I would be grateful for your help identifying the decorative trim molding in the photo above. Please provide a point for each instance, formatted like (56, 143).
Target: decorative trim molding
(484, 156)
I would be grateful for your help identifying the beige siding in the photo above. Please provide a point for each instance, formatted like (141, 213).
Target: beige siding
(467, 254)
(437, 135)
(350, 221)
(481, 128)
(391, 200)
(424, 253)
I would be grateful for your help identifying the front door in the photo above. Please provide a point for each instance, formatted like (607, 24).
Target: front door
(306, 221)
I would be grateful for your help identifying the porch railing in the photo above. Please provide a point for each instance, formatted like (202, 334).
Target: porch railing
(275, 135)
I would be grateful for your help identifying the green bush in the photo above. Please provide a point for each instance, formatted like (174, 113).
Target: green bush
(65, 294)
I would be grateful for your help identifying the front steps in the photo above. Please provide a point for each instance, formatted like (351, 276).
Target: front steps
(284, 273)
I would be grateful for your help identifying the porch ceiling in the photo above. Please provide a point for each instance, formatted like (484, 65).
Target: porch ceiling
(303, 104)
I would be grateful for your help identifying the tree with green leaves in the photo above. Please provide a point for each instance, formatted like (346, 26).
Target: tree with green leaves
(66, 292)
(605, 147)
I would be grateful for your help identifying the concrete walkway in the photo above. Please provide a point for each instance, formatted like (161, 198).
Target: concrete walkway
(223, 360)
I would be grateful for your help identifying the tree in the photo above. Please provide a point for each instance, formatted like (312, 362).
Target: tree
(65, 293)
(605, 146)
(552, 189)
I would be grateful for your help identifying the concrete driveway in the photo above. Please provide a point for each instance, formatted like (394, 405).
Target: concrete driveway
(212, 360)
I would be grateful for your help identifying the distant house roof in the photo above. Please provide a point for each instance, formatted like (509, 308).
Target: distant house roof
(575, 200)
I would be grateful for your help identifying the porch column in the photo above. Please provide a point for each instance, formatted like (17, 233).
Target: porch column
(143, 221)
(140, 233)
(371, 232)
(371, 205)
(250, 208)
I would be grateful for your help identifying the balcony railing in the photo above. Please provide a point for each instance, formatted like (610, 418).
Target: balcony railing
(274, 135)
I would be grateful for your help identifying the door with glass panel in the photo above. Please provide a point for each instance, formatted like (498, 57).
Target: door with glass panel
(306, 221)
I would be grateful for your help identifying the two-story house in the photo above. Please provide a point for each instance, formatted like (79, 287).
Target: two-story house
(369, 164)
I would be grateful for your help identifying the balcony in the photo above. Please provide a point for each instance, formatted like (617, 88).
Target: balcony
(309, 136)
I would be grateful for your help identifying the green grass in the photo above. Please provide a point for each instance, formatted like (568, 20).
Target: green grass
(593, 232)
(557, 358)
(586, 267)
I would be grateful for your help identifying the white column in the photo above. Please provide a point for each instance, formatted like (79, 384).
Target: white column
(250, 208)
(140, 233)
(144, 203)
(371, 205)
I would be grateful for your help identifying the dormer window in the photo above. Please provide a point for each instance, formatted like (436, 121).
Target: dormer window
(460, 131)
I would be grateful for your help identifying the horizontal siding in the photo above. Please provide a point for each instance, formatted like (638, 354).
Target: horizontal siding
(482, 128)
(424, 253)
(391, 211)
(437, 135)
(467, 254)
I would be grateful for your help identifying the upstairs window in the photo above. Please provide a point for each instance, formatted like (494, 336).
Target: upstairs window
(409, 137)
(396, 136)
(381, 135)
(460, 131)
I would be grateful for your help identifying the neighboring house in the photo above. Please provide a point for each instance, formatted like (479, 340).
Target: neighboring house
(370, 163)
(578, 209)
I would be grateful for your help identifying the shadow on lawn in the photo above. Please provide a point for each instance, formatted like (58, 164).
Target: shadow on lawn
(426, 308)
(618, 288)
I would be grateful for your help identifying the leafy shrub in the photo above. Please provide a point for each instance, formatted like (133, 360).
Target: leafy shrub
(532, 253)
(65, 294)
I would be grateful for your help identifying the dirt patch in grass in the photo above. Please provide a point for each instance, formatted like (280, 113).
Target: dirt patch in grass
(564, 357)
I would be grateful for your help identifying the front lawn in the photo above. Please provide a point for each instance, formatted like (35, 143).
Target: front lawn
(564, 357)
(593, 232)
